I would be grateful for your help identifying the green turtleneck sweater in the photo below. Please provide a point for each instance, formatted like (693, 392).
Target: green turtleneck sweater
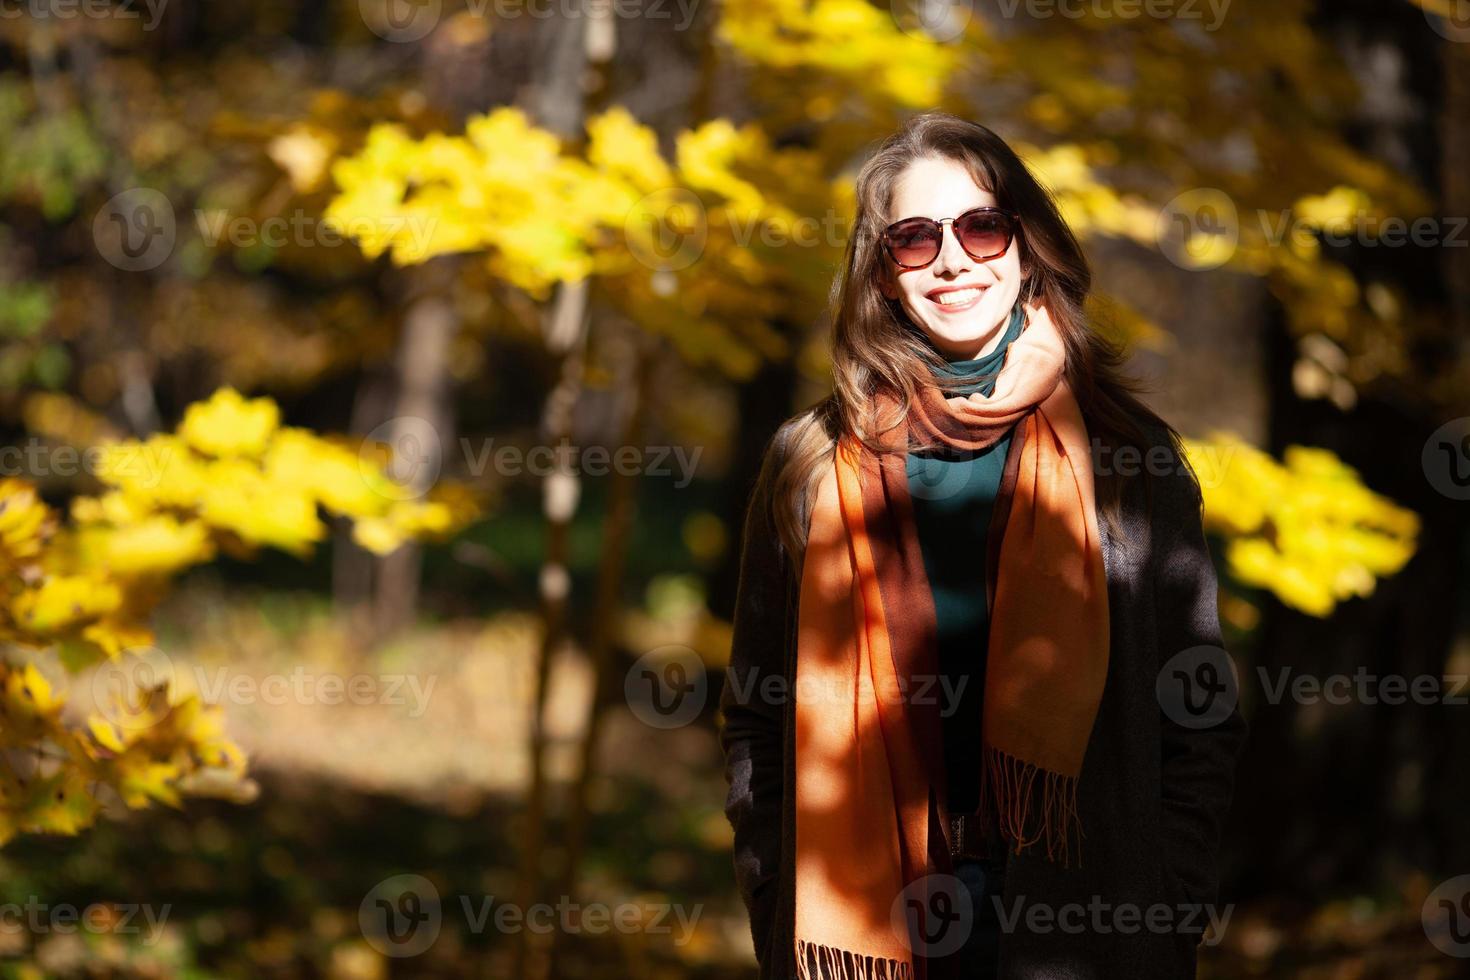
(953, 493)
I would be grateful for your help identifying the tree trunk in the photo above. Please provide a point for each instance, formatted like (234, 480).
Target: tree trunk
(566, 336)
(421, 426)
(352, 565)
(557, 103)
(622, 505)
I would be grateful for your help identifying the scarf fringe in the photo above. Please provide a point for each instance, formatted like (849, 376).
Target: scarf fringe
(815, 961)
(1031, 805)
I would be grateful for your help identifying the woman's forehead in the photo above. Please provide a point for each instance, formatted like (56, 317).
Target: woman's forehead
(936, 188)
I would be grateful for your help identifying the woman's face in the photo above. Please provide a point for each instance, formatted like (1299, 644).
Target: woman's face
(961, 304)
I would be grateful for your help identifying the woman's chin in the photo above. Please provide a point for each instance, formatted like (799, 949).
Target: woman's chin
(953, 337)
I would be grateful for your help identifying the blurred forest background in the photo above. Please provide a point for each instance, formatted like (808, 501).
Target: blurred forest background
(299, 301)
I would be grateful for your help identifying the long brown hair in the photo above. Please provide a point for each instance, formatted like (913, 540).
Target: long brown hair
(875, 344)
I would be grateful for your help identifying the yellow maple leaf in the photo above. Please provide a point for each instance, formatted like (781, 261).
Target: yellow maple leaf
(230, 425)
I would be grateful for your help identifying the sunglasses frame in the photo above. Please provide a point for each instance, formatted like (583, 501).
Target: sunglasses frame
(1010, 239)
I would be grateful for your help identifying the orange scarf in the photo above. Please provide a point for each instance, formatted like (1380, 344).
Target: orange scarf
(871, 818)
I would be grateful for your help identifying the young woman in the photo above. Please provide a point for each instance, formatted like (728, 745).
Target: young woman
(948, 732)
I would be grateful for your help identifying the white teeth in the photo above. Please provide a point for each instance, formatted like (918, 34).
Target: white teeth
(957, 297)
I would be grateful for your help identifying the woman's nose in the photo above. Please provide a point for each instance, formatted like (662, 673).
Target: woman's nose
(952, 259)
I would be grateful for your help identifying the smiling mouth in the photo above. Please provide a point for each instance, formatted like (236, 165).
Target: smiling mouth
(957, 298)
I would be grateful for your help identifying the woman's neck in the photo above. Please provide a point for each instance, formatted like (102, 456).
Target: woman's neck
(1006, 331)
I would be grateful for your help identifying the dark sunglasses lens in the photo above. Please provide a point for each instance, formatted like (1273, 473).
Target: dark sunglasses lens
(914, 243)
(985, 234)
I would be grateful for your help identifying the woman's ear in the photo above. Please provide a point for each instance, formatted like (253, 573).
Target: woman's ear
(1028, 283)
(1023, 259)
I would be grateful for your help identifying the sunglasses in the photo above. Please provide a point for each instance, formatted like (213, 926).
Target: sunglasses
(983, 233)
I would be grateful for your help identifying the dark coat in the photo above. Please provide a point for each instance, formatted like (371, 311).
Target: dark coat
(1153, 792)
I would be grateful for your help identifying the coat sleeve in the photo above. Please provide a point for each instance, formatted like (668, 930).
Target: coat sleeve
(1198, 758)
(752, 704)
